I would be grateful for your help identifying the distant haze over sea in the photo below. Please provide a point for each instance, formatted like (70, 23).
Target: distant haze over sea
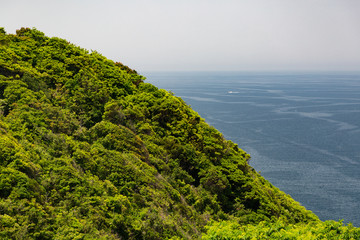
(302, 130)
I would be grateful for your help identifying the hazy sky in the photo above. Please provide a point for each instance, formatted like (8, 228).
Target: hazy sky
(202, 34)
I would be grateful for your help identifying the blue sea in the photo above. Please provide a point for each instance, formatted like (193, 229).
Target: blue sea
(302, 130)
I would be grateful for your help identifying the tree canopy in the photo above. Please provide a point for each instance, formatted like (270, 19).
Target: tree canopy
(89, 150)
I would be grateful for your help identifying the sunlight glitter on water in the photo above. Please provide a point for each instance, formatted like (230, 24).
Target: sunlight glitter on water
(301, 130)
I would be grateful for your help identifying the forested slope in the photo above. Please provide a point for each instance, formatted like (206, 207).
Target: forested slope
(91, 151)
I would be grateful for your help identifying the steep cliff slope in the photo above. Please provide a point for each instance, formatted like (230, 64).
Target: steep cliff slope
(89, 150)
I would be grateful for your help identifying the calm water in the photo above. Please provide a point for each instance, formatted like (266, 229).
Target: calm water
(301, 130)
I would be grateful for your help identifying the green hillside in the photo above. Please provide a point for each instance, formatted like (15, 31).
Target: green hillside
(88, 150)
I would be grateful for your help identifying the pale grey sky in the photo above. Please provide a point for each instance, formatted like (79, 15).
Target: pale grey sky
(151, 35)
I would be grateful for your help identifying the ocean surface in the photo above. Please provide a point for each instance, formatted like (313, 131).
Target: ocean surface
(302, 130)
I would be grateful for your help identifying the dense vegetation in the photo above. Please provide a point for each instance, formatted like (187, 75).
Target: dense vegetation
(91, 151)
